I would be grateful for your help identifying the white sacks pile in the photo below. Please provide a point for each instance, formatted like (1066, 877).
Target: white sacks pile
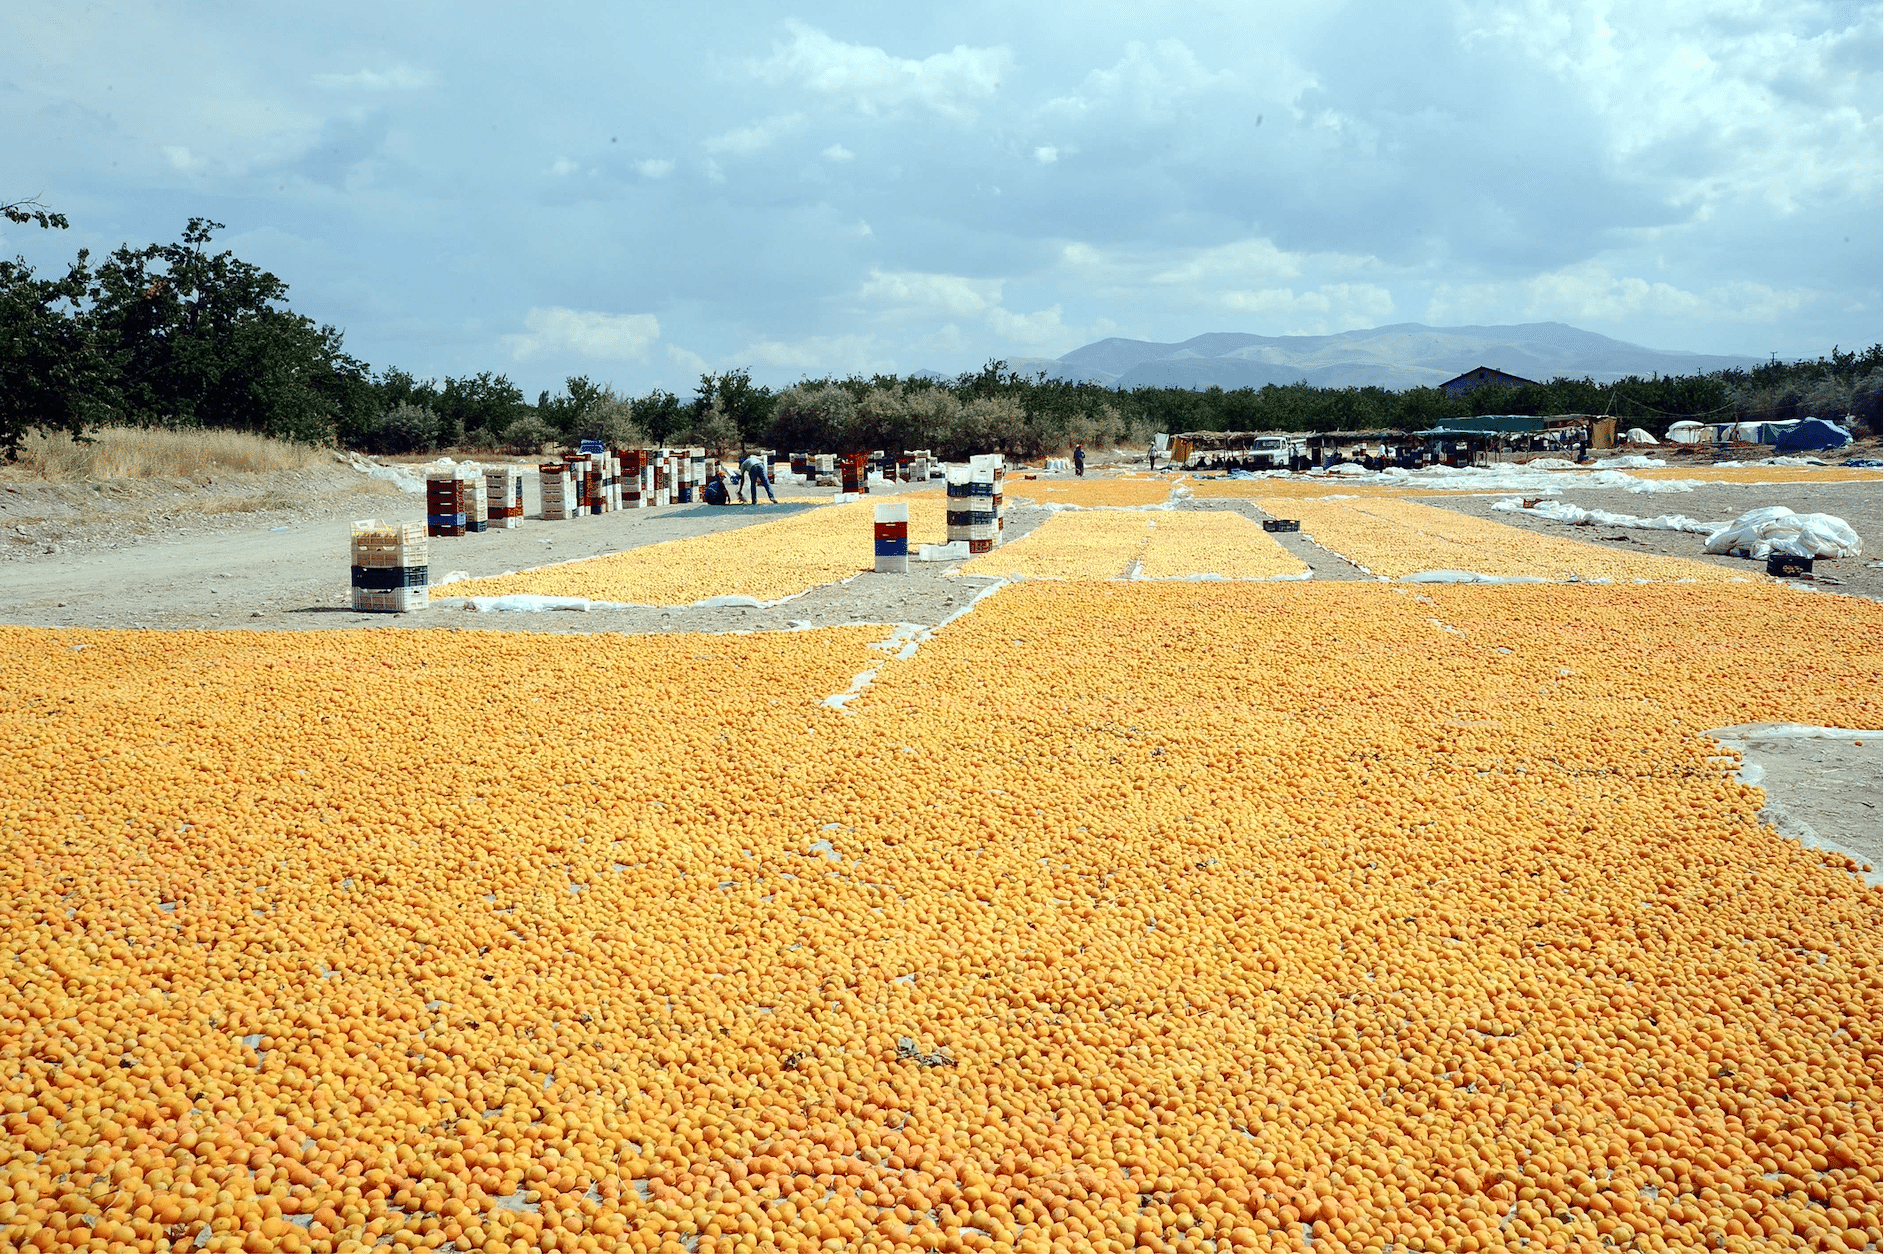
(1776, 530)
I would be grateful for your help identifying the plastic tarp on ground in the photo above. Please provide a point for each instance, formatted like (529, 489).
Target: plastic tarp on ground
(1813, 433)
(1761, 533)
(1636, 435)
(1577, 516)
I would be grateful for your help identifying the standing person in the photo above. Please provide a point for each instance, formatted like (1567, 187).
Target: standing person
(1151, 457)
(753, 468)
(1079, 459)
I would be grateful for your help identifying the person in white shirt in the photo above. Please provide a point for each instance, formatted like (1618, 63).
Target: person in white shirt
(753, 471)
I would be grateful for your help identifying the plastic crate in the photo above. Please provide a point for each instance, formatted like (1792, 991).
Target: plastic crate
(396, 601)
(1786, 566)
(390, 578)
(1282, 524)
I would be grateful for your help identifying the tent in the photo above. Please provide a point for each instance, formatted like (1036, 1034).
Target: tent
(1637, 435)
(1812, 433)
(1688, 432)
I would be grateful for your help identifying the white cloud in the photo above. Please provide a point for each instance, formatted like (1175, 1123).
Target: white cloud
(837, 152)
(1779, 106)
(1590, 291)
(1034, 329)
(691, 362)
(654, 168)
(585, 333)
(932, 293)
(816, 354)
(1349, 305)
(874, 81)
(396, 78)
(1249, 258)
(562, 167)
(744, 140)
(1149, 84)
(181, 158)
(1046, 154)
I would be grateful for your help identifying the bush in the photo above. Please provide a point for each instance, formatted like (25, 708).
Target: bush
(527, 436)
(408, 428)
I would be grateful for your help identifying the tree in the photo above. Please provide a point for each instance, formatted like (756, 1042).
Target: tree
(198, 340)
(52, 375)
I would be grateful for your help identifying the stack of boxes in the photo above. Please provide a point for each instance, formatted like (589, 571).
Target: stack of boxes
(855, 469)
(558, 492)
(390, 571)
(893, 538)
(633, 462)
(477, 497)
(503, 490)
(973, 513)
(445, 506)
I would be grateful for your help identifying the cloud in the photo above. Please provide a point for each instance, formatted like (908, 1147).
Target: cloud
(563, 167)
(744, 140)
(948, 83)
(1590, 291)
(654, 168)
(818, 354)
(181, 158)
(585, 333)
(1349, 305)
(837, 152)
(1046, 154)
(1034, 329)
(395, 78)
(1149, 83)
(691, 362)
(1248, 258)
(949, 294)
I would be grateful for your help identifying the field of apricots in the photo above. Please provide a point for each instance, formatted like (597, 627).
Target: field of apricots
(1114, 914)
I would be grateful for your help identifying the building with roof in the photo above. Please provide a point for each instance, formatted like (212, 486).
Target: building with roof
(1482, 377)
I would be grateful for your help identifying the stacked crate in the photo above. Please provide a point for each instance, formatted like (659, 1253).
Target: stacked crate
(855, 469)
(629, 477)
(698, 459)
(824, 467)
(444, 503)
(893, 538)
(972, 514)
(477, 498)
(801, 464)
(1000, 498)
(503, 489)
(558, 493)
(390, 570)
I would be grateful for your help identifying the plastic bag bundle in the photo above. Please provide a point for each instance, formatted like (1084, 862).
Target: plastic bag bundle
(1774, 529)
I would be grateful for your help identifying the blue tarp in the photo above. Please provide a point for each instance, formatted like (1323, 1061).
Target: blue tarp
(1812, 433)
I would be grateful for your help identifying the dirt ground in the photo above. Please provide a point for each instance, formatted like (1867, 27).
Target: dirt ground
(1859, 504)
(269, 553)
(1822, 785)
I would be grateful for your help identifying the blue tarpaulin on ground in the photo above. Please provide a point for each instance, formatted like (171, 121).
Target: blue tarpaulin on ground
(1812, 433)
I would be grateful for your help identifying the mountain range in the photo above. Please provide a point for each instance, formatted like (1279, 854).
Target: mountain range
(1405, 355)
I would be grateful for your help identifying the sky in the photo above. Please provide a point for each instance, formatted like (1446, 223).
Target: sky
(642, 192)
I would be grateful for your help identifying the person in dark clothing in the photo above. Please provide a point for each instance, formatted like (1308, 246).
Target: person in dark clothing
(1151, 456)
(1079, 459)
(715, 492)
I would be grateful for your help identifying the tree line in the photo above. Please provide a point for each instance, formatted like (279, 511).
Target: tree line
(176, 335)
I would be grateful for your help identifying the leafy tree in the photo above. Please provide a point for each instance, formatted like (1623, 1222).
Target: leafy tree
(198, 340)
(661, 414)
(480, 406)
(53, 376)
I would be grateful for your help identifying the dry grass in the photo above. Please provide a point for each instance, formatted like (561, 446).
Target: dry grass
(139, 453)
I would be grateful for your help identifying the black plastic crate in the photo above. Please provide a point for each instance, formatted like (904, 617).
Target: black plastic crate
(389, 578)
(1786, 566)
(1282, 524)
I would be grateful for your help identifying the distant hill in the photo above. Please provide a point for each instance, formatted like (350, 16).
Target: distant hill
(1404, 355)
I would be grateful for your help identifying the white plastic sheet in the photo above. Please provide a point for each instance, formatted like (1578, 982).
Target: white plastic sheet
(1576, 515)
(1774, 529)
